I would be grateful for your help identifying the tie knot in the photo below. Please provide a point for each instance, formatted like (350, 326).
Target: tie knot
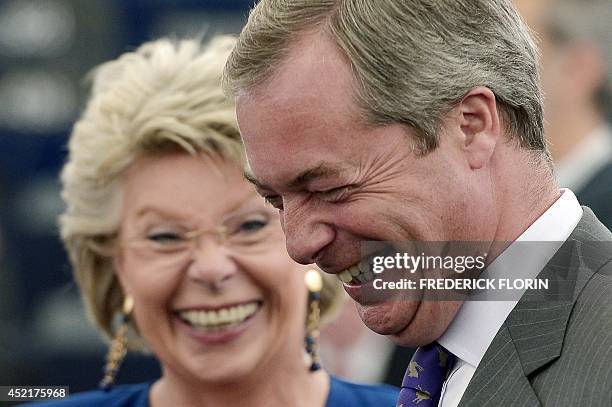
(425, 375)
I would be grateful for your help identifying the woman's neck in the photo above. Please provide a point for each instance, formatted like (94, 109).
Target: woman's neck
(272, 386)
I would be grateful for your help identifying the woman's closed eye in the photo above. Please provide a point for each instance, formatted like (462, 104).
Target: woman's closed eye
(252, 225)
(166, 237)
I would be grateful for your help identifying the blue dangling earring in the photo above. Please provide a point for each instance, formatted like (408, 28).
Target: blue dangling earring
(314, 283)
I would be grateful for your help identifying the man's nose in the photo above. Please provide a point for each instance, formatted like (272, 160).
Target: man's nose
(306, 235)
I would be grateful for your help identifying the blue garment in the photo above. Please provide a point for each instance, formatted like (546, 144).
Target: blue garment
(341, 394)
(348, 394)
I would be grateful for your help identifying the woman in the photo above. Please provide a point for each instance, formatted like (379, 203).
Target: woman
(161, 223)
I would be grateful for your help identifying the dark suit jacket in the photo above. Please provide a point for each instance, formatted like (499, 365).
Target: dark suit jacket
(556, 351)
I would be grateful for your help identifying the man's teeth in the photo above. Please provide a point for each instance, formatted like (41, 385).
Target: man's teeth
(221, 317)
(358, 273)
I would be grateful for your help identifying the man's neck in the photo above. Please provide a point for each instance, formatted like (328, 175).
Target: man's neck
(526, 189)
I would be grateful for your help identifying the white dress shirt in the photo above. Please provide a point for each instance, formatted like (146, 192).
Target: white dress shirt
(477, 322)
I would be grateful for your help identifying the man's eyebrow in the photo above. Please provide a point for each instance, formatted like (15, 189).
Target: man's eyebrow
(322, 170)
(251, 178)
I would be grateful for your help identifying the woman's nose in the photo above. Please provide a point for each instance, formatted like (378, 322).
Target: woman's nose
(212, 264)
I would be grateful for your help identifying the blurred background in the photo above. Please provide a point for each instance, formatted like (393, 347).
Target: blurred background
(46, 49)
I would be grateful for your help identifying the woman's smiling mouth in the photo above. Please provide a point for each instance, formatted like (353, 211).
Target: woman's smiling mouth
(218, 325)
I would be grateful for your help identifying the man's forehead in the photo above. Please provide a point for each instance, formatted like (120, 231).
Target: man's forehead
(296, 124)
(313, 62)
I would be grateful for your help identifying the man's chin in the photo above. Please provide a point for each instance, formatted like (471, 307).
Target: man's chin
(388, 318)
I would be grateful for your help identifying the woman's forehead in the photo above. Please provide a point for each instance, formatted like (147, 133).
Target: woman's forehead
(186, 184)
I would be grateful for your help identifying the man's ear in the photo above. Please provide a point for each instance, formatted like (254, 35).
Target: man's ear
(479, 125)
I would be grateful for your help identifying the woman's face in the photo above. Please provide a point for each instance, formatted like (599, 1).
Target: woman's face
(213, 306)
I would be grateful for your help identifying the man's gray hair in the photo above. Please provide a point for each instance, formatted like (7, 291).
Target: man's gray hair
(589, 21)
(412, 60)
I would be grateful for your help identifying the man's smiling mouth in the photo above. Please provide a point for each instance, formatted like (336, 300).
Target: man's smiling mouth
(362, 271)
(356, 274)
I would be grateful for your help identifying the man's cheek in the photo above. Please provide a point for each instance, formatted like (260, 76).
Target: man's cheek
(281, 218)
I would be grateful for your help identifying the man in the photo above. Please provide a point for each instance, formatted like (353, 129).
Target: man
(576, 43)
(401, 120)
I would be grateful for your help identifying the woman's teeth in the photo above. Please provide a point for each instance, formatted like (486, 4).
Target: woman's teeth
(357, 274)
(220, 318)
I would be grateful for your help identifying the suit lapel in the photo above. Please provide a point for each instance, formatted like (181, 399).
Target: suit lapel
(532, 335)
(499, 379)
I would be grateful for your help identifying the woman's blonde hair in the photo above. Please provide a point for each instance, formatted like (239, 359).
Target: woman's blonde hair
(165, 96)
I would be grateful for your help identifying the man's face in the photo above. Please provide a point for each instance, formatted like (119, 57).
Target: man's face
(338, 182)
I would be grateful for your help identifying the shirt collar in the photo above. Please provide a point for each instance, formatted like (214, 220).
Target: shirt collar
(472, 330)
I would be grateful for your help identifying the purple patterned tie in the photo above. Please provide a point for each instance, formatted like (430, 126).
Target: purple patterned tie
(426, 372)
